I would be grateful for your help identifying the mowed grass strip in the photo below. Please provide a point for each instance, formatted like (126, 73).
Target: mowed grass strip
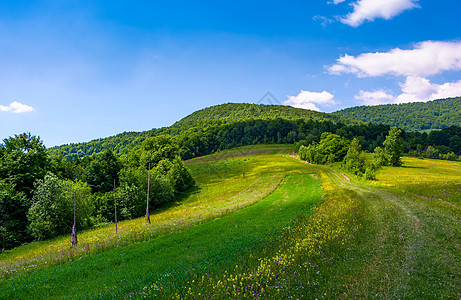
(213, 245)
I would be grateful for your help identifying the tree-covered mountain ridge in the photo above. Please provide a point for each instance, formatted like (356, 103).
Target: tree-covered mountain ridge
(235, 112)
(414, 116)
(227, 113)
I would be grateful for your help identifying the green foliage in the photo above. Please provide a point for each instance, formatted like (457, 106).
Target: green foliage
(102, 171)
(393, 147)
(371, 171)
(155, 149)
(380, 158)
(13, 221)
(332, 148)
(354, 161)
(199, 121)
(177, 174)
(161, 189)
(237, 112)
(430, 152)
(231, 125)
(103, 207)
(169, 177)
(23, 160)
(51, 213)
(437, 114)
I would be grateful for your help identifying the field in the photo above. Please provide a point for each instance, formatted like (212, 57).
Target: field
(284, 229)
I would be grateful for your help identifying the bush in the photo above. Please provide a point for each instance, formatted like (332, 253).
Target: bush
(370, 172)
(380, 158)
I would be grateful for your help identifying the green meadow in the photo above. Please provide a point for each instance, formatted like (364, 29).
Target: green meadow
(262, 224)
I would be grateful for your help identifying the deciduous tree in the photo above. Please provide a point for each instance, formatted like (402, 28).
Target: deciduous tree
(393, 146)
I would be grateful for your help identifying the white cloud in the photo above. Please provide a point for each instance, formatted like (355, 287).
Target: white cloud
(375, 98)
(369, 10)
(338, 1)
(417, 89)
(17, 108)
(310, 100)
(427, 58)
(414, 89)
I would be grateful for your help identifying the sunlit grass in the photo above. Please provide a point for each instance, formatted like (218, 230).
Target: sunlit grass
(259, 236)
(290, 267)
(437, 179)
(182, 255)
(221, 189)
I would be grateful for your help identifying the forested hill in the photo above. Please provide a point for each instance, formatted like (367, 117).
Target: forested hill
(415, 116)
(213, 116)
(235, 112)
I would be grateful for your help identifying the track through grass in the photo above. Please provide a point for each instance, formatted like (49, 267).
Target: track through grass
(399, 237)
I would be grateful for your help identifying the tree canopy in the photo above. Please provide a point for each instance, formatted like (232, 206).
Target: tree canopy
(414, 116)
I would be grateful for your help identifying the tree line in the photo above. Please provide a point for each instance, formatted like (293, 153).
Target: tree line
(228, 113)
(206, 138)
(37, 191)
(414, 116)
(198, 141)
(334, 148)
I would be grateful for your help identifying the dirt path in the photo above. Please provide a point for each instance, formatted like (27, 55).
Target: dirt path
(407, 243)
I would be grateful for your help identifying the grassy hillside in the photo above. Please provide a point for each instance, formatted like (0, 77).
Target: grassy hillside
(416, 116)
(211, 116)
(286, 229)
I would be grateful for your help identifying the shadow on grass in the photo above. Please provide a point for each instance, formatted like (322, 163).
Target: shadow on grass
(179, 198)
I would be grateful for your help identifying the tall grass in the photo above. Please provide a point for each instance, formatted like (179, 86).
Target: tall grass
(275, 233)
(180, 256)
(220, 190)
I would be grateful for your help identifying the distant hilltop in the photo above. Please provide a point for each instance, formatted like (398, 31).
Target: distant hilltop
(414, 116)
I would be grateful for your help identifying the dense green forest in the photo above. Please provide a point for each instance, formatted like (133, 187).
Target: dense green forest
(37, 191)
(212, 116)
(415, 116)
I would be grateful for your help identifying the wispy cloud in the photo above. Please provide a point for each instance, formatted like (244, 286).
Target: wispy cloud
(369, 10)
(427, 58)
(16, 108)
(310, 100)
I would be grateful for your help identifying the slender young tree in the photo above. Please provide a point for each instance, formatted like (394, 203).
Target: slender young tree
(74, 229)
(393, 146)
(147, 206)
(115, 202)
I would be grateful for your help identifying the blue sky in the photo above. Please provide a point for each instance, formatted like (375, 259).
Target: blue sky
(72, 71)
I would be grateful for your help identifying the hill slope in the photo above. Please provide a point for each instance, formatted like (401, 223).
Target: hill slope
(235, 112)
(415, 116)
(216, 115)
(240, 237)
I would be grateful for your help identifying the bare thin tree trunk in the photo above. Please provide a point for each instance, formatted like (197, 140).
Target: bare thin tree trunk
(147, 207)
(74, 229)
(115, 202)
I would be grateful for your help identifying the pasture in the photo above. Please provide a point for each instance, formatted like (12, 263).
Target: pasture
(285, 229)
